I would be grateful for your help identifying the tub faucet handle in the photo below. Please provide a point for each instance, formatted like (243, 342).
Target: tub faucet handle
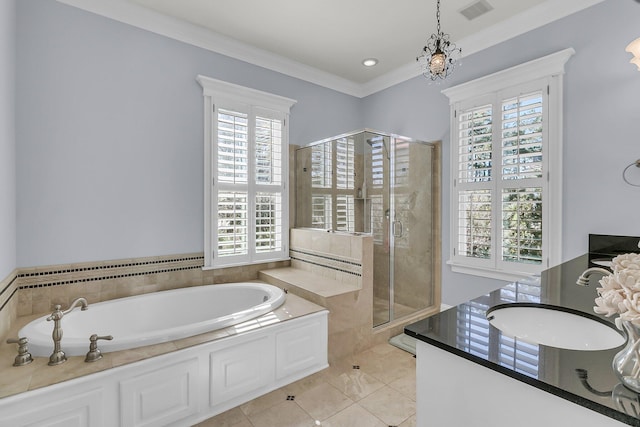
(95, 354)
(23, 357)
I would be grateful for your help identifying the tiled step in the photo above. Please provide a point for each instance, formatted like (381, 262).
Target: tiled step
(324, 287)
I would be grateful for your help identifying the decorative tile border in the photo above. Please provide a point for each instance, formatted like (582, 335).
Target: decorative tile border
(87, 272)
(58, 275)
(333, 263)
(33, 290)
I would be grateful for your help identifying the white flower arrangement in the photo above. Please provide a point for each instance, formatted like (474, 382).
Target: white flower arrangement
(620, 291)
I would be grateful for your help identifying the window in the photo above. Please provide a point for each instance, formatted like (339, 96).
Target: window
(246, 173)
(506, 148)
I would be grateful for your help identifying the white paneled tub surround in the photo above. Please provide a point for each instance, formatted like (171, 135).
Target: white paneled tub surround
(183, 387)
(156, 317)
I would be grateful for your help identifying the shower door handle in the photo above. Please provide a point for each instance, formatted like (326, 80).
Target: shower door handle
(398, 229)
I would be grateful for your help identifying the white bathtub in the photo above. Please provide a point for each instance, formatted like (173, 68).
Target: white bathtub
(155, 318)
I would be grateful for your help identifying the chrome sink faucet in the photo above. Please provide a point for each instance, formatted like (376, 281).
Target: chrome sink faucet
(58, 356)
(583, 280)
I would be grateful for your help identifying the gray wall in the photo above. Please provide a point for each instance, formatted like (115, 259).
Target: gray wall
(110, 125)
(7, 138)
(601, 116)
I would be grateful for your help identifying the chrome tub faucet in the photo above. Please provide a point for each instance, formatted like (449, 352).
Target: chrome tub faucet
(23, 357)
(58, 356)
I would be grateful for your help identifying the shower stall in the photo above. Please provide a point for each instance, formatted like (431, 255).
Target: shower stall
(386, 186)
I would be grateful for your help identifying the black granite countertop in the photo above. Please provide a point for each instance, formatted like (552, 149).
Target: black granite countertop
(583, 377)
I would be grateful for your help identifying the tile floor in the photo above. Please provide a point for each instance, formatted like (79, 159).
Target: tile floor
(376, 388)
(381, 311)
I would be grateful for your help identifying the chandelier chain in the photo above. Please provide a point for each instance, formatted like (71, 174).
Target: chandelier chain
(438, 16)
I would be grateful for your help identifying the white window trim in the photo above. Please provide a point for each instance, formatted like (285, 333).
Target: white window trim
(228, 94)
(550, 67)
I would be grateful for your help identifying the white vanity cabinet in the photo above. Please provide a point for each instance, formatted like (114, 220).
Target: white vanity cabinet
(180, 388)
(455, 392)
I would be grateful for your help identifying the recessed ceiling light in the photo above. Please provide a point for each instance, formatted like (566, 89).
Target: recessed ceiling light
(370, 62)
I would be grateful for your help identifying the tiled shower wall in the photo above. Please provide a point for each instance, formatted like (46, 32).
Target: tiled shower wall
(36, 290)
(336, 256)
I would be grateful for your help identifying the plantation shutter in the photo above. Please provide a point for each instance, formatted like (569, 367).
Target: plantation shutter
(233, 173)
(233, 146)
(500, 185)
(269, 186)
(522, 140)
(506, 170)
(246, 172)
(474, 184)
(248, 184)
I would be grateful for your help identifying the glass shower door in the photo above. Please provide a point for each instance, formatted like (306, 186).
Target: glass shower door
(383, 185)
(377, 196)
(412, 237)
(399, 179)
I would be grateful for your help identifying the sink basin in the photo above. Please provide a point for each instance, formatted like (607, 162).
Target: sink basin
(602, 262)
(554, 326)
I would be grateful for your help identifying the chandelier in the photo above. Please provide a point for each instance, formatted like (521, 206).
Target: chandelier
(437, 58)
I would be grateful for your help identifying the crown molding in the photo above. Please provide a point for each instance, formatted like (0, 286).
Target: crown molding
(544, 13)
(155, 22)
(150, 20)
(538, 16)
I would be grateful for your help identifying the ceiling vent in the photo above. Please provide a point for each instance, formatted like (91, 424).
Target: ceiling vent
(476, 9)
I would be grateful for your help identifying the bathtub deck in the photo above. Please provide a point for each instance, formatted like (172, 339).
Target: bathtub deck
(15, 380)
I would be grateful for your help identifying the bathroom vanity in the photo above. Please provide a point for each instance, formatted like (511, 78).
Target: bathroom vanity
(471, 374)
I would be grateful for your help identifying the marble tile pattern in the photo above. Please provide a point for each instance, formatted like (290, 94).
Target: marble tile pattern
(350, 303)
(40, 288)
(14, 380)
(331, 262)
(374, 388)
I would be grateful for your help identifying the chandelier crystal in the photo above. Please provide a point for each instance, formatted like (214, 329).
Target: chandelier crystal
(438, 57)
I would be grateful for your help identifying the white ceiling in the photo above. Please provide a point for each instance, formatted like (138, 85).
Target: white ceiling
(325, 41)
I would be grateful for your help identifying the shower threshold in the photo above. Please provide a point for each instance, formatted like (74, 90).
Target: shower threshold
(404, 342)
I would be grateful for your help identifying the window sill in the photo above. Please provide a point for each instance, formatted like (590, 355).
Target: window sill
(490, 273)
(243, 264)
